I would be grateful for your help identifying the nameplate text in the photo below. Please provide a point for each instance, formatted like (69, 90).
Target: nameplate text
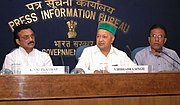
(129, 69)
(43, 70)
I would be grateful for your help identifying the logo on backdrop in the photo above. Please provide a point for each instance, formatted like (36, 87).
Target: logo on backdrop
(72, 26)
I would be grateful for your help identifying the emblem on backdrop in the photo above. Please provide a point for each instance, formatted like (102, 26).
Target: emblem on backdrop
(72, 26)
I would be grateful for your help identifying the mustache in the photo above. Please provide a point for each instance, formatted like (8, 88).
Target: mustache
(31, 42)
(156, 44)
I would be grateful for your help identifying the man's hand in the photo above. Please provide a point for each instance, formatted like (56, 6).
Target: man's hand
(101, 72)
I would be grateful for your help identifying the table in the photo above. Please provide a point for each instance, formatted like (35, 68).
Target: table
(91, 89)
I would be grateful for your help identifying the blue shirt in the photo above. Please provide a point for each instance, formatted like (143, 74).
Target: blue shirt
(161, 63)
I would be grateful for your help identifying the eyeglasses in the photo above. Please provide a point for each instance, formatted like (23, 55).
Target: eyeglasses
(156, 36)
(26, 37)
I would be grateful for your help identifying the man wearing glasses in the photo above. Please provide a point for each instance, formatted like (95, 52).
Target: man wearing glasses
(160, 58)
(26, 54)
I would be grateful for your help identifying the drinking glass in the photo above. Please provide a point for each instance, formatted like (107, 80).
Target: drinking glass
(103, 67)
(16, 68)
(66, 69)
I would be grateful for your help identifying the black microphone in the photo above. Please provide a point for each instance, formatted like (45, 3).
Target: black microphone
(65, 67)
(127, 46)
(61, 57)
(170, 57)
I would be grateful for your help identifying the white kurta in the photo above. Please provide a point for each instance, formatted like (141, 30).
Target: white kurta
(20, 56)
(92, 57)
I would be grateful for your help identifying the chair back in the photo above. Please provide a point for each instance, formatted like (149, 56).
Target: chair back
(79, 51)
(133, 53)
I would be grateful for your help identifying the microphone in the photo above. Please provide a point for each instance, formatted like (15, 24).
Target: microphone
(62, 59)
(170, 57)
(127, 46)
(65, 67)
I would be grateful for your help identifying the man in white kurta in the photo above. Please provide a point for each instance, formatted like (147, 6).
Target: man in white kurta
(103, 52)
(20, 56)
(26, 54)
(92, 57)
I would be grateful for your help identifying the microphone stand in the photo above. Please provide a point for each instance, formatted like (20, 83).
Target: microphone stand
(61, 57)
(62, 60)
(171, 57)
(127, 46)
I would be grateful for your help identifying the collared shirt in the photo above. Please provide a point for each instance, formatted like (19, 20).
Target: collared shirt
(161, 63)
(92, 57)
(20, 56)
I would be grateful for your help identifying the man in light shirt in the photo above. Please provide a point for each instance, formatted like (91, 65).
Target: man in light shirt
(103, 52)
(26, 54)
(160, 58)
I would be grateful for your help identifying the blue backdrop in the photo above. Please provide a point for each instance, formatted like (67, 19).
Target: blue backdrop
(49, 20)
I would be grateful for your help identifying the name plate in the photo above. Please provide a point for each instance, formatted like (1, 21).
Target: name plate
(44, 70)
(129, 69)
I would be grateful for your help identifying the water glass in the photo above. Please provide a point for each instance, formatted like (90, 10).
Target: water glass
(16, 68)
(103, 67)
(66, 69)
